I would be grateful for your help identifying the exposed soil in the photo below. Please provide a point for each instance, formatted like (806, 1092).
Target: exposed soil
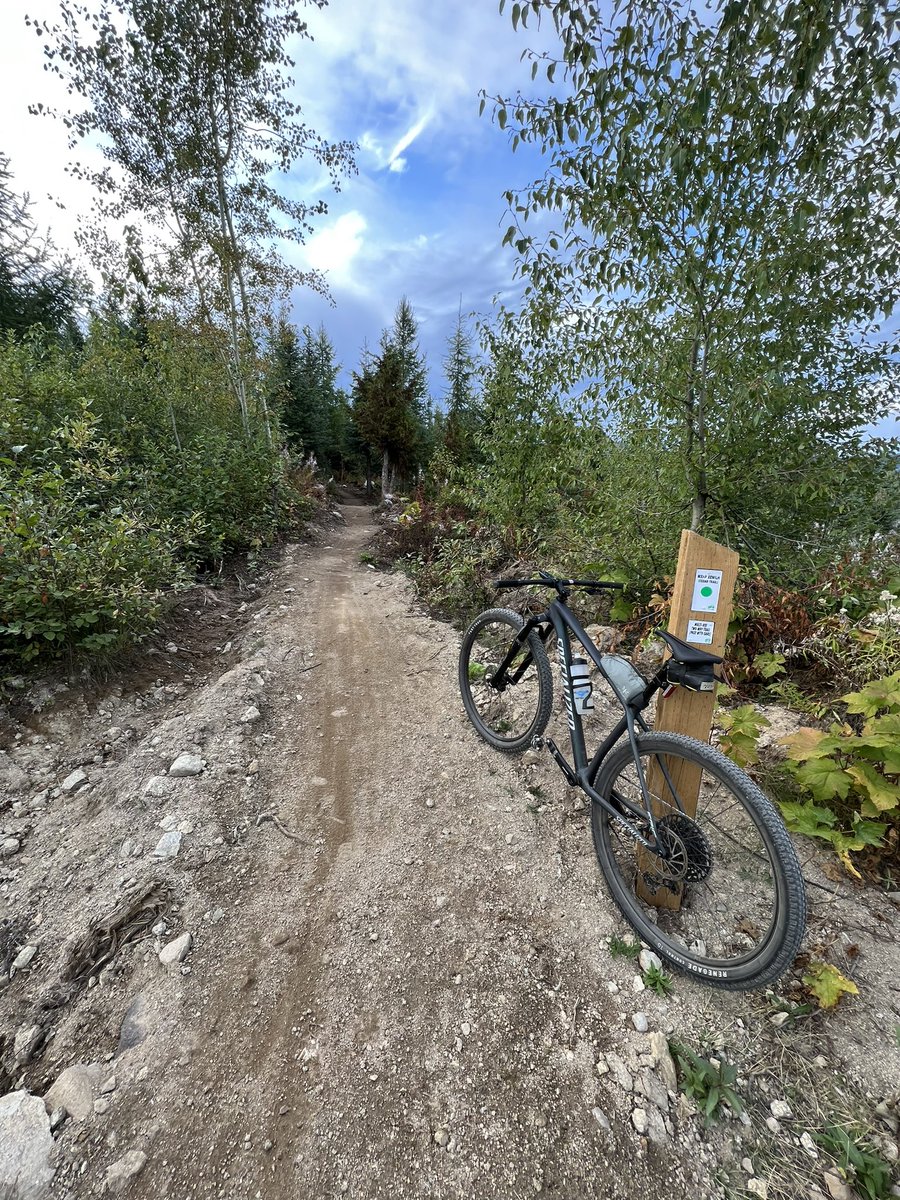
(399, 982)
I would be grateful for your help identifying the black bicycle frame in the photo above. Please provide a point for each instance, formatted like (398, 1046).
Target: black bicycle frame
(563, 621)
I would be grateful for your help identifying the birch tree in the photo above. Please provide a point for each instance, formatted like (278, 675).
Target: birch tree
(189, 100)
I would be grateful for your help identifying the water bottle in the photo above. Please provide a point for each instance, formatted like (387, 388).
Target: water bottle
(582, 686)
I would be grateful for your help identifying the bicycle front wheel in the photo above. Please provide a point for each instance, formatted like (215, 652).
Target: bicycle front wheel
(506, 712)
(726, 903)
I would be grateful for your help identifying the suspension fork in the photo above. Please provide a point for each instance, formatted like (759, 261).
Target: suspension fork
(500, 678)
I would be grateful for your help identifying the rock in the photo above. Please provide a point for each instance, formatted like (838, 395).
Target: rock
(186, 765)
(656, 1127)
(101, 1107)
(158, 786)
(758, 1187)
(600, 1117)
(9, 847)
(25, 1043)
(72, 783)
(25, 1146)
(253, 767)
(168, 845)
(648, 959)
(250, 715)
(619, 1072)
(108, 1086)
(781, 1110)
(651, 1086)
(820, 1061)
(123, 1170)
(809, 1145)
(136, 1024)
(665, 1064)
(57, 1118)
(24, 957)
(176, 951)
(126, 849)
(637, 984)
(778, 1019)
(640, 1022)
(838, 1189)
(772, 1125)
(639, 1120)
(215, 915)
(75, 1090)
(442, 1137)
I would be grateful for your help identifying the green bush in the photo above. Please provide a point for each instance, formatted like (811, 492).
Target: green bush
(79, 571)
(851, 773)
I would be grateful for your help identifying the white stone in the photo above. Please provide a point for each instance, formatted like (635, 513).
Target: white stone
(75, 1090)
(781, 1110)
(25, 1146)
(159, 786)
(640, 1022)
(250, 715)
(73, 782)
(758, 1187)
(639, 1120)
(600, 1117)
(123, 1170)
(185, 765)
(168, 845)
(24, 957)
(9, 847)
(176, 951)
(809, 1145)
(648, 959)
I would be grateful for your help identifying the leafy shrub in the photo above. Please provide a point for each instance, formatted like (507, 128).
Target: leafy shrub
(78, 571)
(852, 773)
(741, 728)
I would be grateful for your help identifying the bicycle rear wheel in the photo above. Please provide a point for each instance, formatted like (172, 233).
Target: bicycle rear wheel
(728, 904)
(507, 716)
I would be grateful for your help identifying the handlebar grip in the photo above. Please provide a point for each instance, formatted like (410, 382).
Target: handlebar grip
(508, 583)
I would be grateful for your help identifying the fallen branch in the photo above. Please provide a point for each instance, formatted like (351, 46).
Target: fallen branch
(267, 816)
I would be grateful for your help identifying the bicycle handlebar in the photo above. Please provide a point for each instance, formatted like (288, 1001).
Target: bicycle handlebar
(559, 584)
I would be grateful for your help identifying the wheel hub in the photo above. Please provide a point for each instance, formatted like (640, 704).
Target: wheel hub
(685, 853)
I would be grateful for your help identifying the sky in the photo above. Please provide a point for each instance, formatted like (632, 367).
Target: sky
(424, 216)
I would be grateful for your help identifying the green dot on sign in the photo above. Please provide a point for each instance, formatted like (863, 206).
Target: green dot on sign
(706, 591)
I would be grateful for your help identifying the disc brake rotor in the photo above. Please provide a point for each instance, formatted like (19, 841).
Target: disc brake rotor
(686, 854)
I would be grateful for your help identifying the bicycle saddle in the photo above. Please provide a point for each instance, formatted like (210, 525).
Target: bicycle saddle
(683, 652)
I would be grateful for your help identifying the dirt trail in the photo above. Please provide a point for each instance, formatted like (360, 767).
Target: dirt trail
(414, 999)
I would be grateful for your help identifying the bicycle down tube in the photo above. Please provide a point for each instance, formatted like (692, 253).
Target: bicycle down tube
(564, 620)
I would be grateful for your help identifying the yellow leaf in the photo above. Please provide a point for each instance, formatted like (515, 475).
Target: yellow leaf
(827, 984)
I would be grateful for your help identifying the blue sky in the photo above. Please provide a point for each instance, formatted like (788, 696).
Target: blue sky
(424, 216)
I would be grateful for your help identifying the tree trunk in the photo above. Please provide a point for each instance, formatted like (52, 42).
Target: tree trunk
(384, 475)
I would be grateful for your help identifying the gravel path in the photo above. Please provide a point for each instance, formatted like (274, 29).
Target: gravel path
(361, 954)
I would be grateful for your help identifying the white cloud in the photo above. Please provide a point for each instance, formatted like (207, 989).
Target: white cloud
(333, 248)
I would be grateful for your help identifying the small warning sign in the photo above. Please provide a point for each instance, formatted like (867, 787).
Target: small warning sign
(707, 585)
(700, 632)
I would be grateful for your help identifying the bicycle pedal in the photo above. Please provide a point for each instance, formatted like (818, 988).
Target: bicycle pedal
(537, 742)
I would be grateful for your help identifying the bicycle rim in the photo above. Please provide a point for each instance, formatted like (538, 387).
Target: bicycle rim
(727, 904)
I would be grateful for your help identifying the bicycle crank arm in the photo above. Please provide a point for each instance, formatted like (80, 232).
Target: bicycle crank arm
(571, 777)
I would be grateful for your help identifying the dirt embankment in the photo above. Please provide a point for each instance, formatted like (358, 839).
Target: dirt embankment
(397, 980)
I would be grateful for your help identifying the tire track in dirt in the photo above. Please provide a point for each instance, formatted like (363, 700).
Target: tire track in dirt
(411, 1002)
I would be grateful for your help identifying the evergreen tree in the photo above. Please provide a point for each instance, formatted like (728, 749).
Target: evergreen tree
(35, 288)
(464, 414)
(385, 414)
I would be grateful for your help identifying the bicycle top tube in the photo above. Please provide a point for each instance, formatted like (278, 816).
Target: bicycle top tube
(562, 586)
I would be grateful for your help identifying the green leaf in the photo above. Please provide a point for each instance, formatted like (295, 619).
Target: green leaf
(809, 819)
(824, 779)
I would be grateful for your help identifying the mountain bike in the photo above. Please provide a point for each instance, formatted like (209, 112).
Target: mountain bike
(696, 856)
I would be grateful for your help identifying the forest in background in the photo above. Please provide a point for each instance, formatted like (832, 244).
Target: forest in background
(709, 267)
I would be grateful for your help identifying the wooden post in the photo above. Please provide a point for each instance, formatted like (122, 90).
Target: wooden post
(701, 610)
